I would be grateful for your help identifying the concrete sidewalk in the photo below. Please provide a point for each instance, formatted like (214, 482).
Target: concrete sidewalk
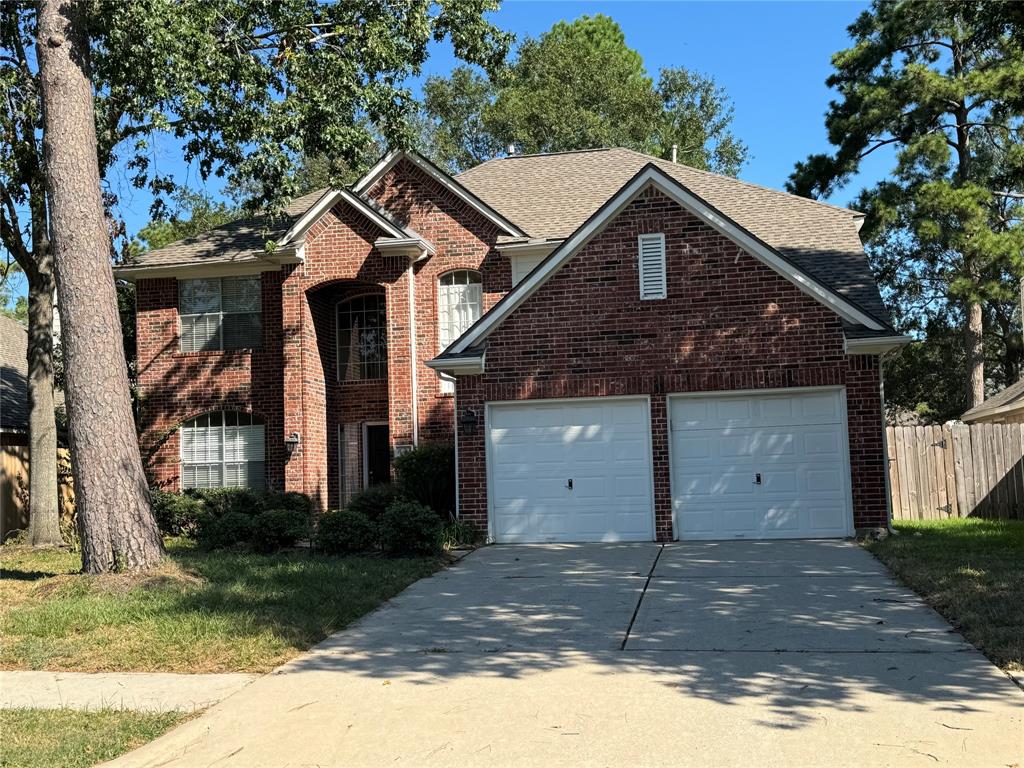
(793, 654)
(145, 691)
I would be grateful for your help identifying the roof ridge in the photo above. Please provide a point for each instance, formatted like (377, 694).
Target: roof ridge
(744, 182)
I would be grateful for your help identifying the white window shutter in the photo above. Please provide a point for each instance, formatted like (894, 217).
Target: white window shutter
(653, 281)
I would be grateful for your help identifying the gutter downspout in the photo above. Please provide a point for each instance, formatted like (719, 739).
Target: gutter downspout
(412, 347)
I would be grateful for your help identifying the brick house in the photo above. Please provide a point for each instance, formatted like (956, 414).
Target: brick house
(620, 348)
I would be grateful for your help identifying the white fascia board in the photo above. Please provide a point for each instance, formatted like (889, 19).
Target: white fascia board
(459, 366)
(389, 161)
(326, 203)
(877, 345)
(416, 248)
(652, 176)
(529, 248)
(1001, 410)
(270, 263)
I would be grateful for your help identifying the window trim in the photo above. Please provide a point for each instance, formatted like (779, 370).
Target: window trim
(337, 336)
(446, 384)
(254, 421)
(220, 313)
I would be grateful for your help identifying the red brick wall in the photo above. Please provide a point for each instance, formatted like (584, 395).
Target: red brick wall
(175, 385)
(729, 323)
(464, 240)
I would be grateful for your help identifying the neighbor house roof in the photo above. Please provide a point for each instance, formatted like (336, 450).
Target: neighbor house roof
(13, 375)
(1009, 400)
(551, 195)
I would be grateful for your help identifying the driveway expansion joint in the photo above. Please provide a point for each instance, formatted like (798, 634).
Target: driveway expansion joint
(639, 602)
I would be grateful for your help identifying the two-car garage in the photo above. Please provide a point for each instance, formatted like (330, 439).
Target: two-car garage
(741, 465)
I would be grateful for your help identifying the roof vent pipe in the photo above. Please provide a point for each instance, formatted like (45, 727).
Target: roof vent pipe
(511, 149)
(675, 149)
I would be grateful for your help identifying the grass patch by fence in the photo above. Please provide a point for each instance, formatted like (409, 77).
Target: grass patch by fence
(972, 572)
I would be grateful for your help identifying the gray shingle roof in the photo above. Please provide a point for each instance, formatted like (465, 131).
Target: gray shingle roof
(13, 374)
(1012, 395)
(238, 240)
(550, 196)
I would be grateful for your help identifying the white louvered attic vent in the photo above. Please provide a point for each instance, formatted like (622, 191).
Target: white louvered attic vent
(653, 284)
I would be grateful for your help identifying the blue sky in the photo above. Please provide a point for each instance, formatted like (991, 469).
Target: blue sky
(772, 58)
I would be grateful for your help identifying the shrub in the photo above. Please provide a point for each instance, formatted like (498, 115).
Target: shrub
(219, 532)
(427, 474)
(278, 528)
(290, 500)
(222, 501)
(176, 514)
(410, 528)
(458, 533)
(346, 531)
(374, 501)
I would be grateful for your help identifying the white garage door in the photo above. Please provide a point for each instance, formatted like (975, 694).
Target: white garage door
(760, 466)
(577, 470)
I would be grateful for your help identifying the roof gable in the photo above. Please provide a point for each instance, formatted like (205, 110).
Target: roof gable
(391, 159)
(652, 175)
(1009, 399)
(552, 195)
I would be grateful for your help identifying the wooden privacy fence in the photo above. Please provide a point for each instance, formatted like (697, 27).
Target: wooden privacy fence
(956, 470)
(14, 466)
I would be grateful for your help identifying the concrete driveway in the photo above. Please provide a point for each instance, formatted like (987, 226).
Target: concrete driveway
(789, 653)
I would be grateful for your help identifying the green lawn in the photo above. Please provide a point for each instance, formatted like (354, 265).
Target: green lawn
(972, 572)
(63, 738)
(202, 612)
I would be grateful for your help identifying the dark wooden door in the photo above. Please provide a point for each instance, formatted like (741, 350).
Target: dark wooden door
(378, 454)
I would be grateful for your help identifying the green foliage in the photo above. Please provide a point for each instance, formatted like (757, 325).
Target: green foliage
(458, 533)
(223, 501)
(177, 514)
(375, 500)
(345, 532)
(276, 529)
(579, 86)
(938, 86)
(410, 528)
(222, 531)
(427, 474)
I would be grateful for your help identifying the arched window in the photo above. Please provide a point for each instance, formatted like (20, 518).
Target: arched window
(460, 302)
(362, 339)
(223, 449)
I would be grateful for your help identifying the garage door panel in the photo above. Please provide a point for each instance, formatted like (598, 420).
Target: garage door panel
(602, 445)
(795, 442)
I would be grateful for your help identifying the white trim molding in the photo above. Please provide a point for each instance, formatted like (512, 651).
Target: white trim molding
(327, 202)
(268, 263)
(877, 345)
(391, 159)
(652, 176)
(415, 248)
(459, 366)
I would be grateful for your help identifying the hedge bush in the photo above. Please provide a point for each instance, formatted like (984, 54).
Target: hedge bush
(222, 531)
(220, 501)
(345, 532)
(427, 474)
(410, 528)
(176, 514)
(375, 500)
(276, 529)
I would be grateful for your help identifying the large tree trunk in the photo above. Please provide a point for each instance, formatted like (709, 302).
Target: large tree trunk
(975, 352)
(44, 513)
(116, 523)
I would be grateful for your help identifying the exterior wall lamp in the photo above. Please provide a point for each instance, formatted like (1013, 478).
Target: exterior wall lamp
(468, 421)
(291, 443)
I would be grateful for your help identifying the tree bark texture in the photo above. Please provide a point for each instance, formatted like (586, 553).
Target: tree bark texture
(111, 495)
(976, 352)
(44, 511)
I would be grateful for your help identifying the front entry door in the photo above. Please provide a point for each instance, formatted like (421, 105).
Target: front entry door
(376, 454)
